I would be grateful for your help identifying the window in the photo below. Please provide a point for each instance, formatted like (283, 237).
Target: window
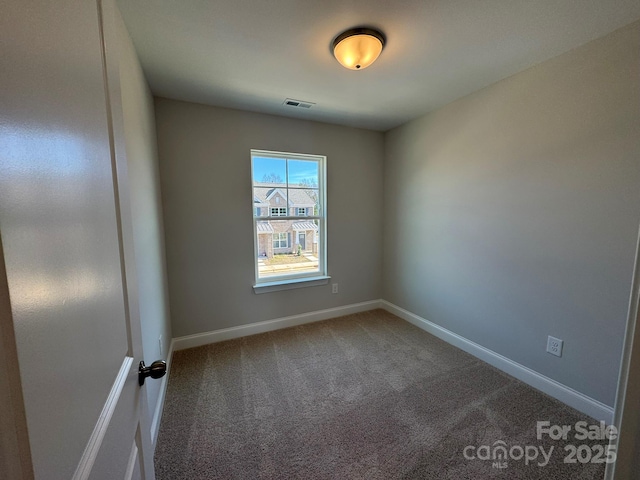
(280, 240)
(289, 250)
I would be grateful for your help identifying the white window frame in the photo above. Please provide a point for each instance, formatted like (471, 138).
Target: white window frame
(288, 281)
(304, 212)
(280, 211)
(280, 240)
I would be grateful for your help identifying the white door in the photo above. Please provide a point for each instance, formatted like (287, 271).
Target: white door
(65, 232)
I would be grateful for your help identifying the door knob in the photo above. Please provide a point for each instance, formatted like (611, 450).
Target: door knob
(156, 370)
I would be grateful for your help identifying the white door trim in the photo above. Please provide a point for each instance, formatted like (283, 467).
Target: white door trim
(626, 417)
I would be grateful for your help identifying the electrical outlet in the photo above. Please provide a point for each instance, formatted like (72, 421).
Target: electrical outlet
(334, 288)
(160, 345)
(554, 346)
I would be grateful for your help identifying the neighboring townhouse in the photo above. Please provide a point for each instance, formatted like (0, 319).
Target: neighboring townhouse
(286, 235)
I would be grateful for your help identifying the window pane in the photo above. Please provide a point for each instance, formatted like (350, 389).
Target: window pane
(269, 186)
(287, 247)
(272, 171)
(303, 173)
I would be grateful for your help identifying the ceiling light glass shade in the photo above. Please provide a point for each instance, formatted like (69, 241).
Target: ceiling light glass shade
(358, 48)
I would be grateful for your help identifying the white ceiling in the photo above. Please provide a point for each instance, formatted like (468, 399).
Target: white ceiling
(251, 55)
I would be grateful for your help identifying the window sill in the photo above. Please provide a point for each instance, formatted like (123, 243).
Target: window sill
(291, 284)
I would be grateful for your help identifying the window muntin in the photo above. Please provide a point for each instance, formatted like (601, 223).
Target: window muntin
(291, 186)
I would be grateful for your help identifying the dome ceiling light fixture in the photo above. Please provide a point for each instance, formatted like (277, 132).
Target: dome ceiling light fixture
(357, 48)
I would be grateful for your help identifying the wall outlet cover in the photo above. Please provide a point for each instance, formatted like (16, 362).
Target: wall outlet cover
(554, 346)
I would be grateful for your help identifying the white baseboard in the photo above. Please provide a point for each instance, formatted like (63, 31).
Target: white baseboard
(157, 414)
(199, 339)
(565, 394)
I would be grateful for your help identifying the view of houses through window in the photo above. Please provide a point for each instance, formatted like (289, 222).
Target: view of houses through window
(289, 220)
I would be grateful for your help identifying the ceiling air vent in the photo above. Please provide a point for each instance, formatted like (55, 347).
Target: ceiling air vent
(290, 102)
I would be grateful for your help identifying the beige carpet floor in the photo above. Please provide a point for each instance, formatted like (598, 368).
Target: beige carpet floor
(366, 396)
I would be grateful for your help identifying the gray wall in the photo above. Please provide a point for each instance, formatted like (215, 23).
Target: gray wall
(148, 233)
(512, 214)
(205, 168)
